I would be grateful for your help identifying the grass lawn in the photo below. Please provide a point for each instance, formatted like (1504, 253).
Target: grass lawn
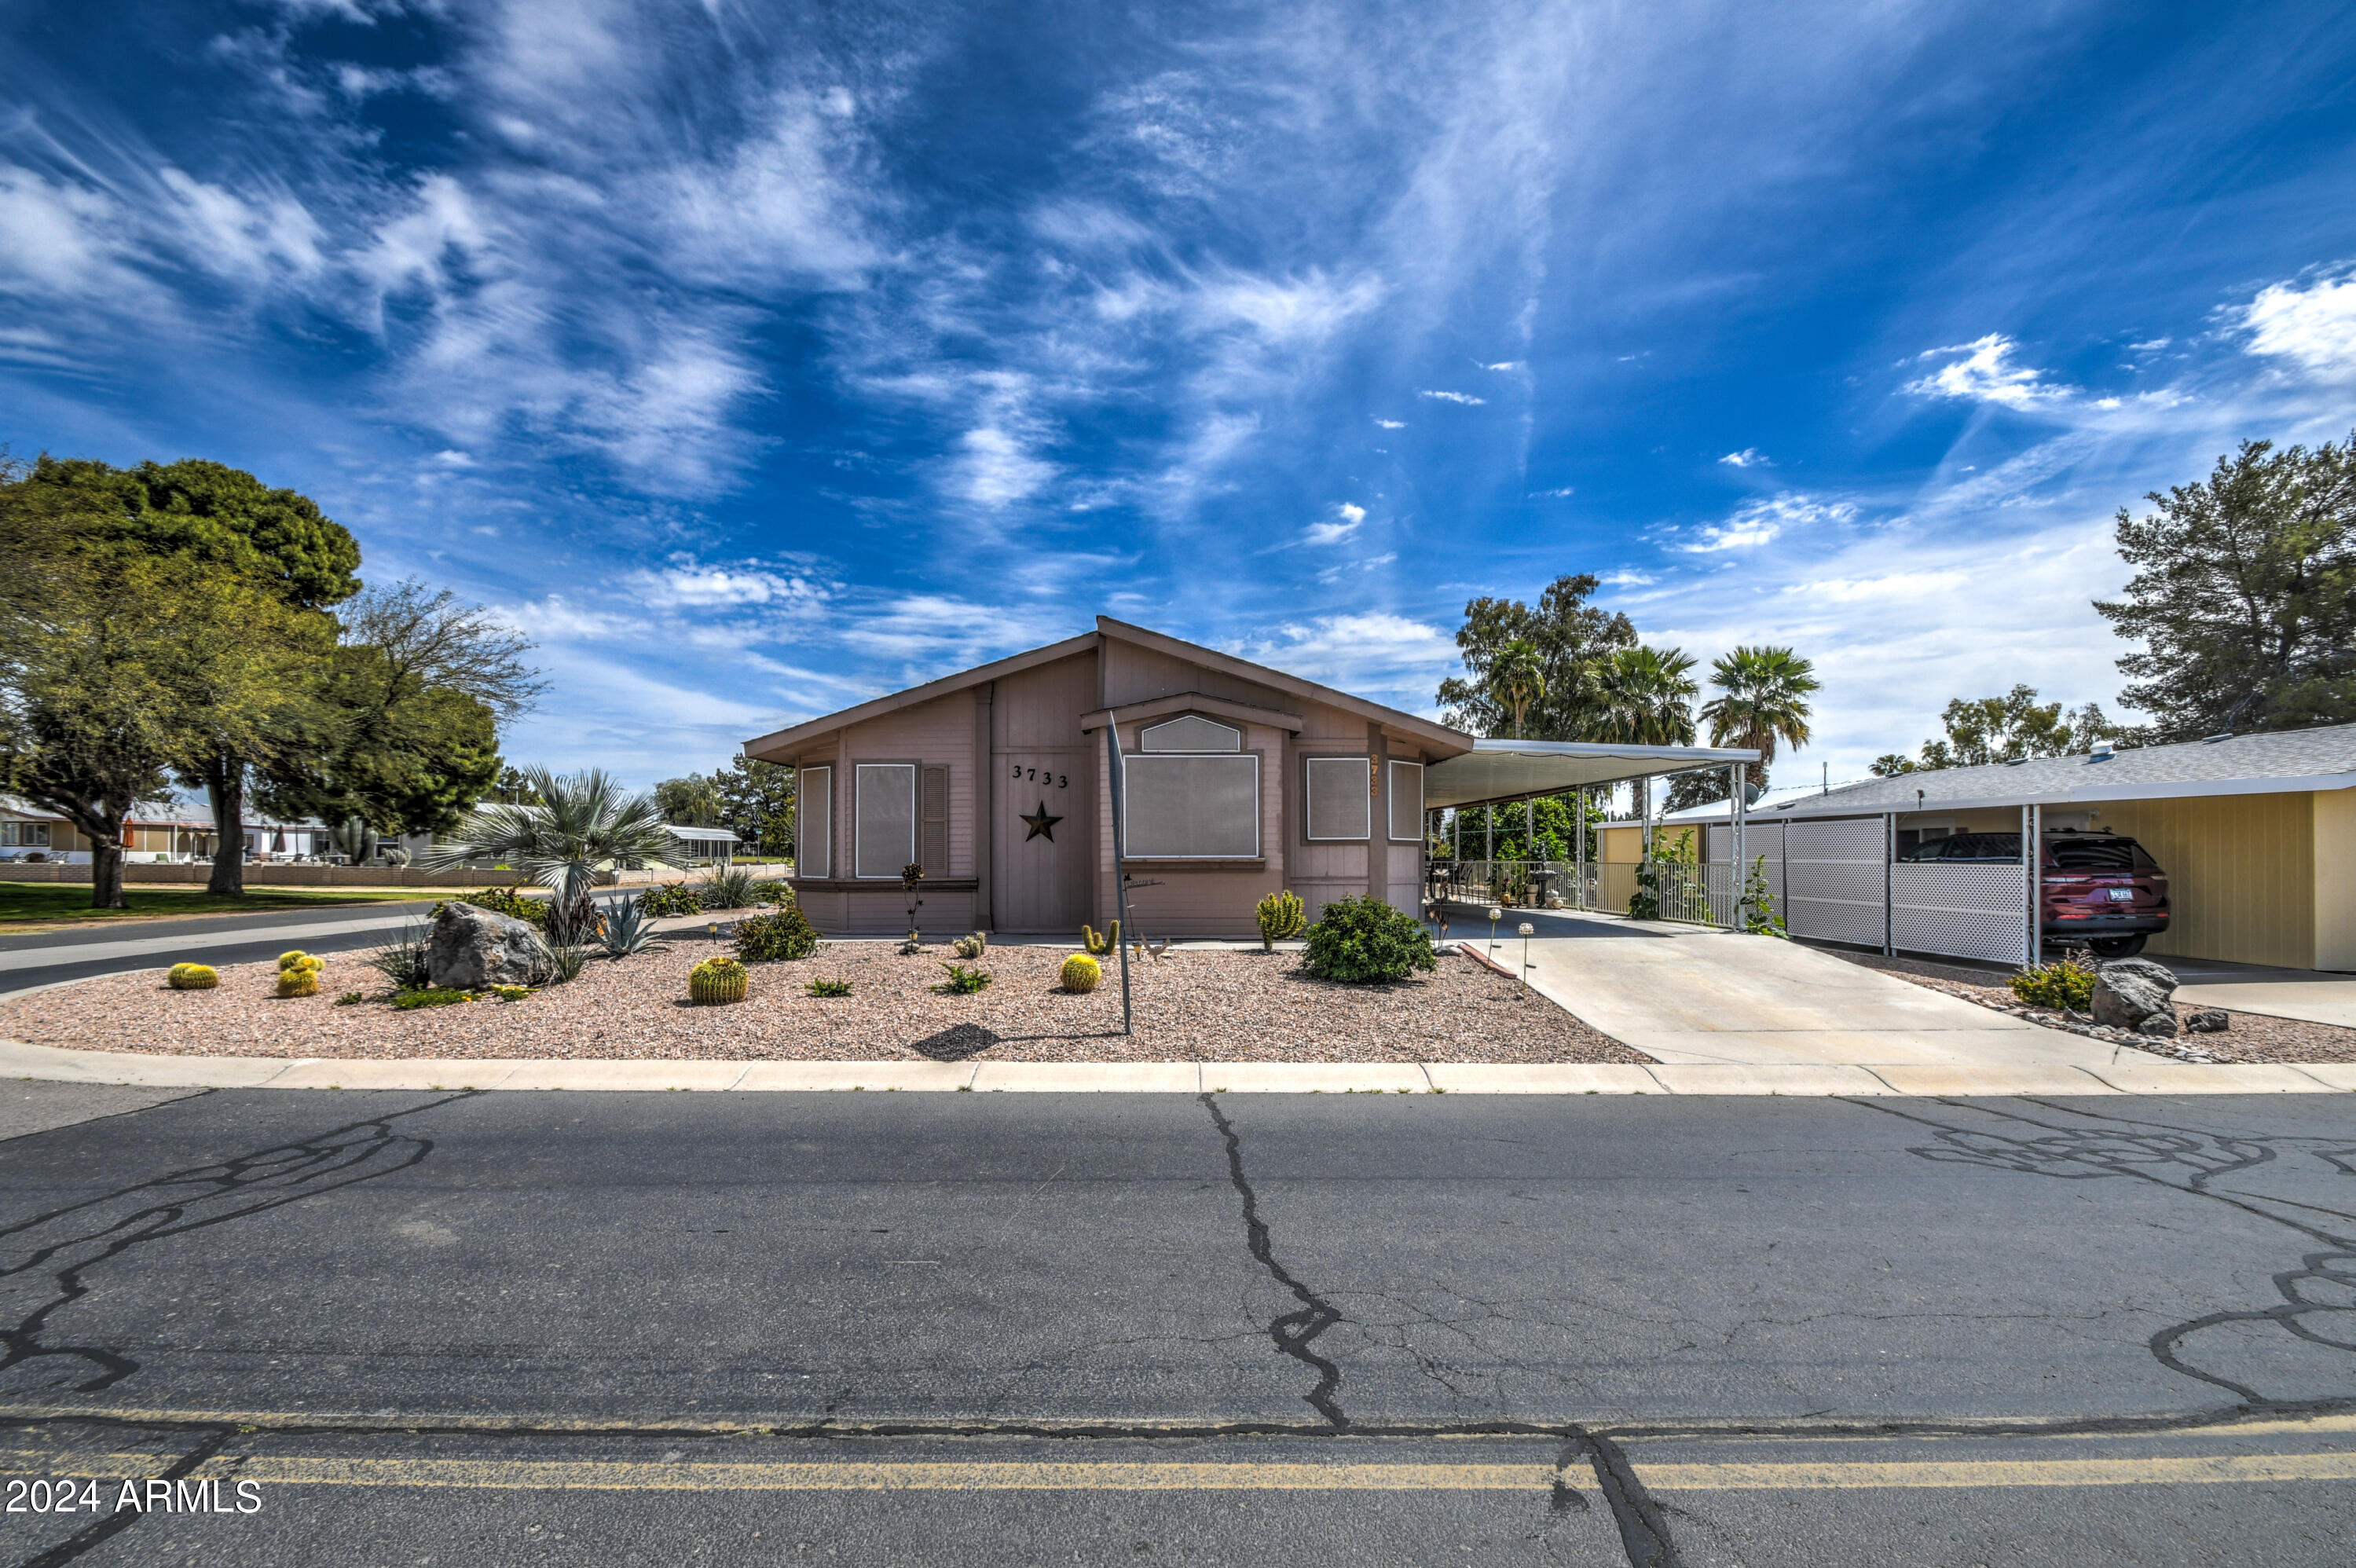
(30, 905)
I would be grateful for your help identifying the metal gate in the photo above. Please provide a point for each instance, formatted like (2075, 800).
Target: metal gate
(1973, 909)
(1834, 881)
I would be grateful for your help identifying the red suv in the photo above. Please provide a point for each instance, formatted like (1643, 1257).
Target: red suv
(2101, 890)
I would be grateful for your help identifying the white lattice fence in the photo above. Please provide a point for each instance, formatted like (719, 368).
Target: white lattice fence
(1833, 875)
(1973, 910)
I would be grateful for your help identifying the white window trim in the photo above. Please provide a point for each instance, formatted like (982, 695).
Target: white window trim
(1391, 793)
(1258, 849)
(801, 819)
(916, 812)
(1308, 816)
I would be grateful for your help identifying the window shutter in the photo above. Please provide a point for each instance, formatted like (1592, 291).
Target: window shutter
(932, 842)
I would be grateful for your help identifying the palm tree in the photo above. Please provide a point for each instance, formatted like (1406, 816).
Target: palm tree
(577, 825)
(1764, 700)
(1518, 679)
(1646, 694)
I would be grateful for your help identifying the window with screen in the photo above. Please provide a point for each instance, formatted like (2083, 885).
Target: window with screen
(1190, 806)
(1190, 732)
(1406, 801)
(884, 825)
(1341, 798)
(814, 822)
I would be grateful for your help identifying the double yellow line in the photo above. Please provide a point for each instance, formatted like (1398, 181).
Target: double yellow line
(919, 1475)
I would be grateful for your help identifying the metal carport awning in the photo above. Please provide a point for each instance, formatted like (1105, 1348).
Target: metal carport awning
(1495, 771)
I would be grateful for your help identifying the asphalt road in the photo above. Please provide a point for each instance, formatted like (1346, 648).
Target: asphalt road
(607, 1329)
(35, 958)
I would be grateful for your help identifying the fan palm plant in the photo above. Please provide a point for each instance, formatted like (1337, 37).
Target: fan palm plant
(1518, 679)
(1646, 695)
(1763, 700)
(581, 823)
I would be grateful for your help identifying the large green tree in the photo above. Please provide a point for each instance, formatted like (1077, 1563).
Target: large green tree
(2009, 728)
(207, 517)
(1568, 634)
(2244, 596)
(755, 801)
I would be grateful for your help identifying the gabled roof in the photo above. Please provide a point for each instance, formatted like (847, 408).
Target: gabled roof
(1436, 737)
(2276, 762)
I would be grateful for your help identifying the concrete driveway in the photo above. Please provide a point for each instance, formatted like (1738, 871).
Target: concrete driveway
(2310, 994)
(1688, 994)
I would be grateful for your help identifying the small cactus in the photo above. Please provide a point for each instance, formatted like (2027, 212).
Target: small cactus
(192, 977)
(1103, 946)
(1081, 973)
(971, 947)
(1280, 918)
(716, 981)
(298, 981)
(290, 958)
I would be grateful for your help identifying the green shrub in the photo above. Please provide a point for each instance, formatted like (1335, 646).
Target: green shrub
(511, 993)
(1281, 919)
(773, 890)
(767, 939)
(348, 998)
(964, 979)
(193, 977)
(829, 988)
(726, 888)
(432, 996)
(677, 899)
(1082, 972)
(1364, 941)
(2066, 983)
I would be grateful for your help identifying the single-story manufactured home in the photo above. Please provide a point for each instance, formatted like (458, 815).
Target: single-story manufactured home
(1238, 781)
(2257, 833)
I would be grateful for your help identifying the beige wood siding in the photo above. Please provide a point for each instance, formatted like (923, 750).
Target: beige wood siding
(2241, 874)
(2335, 878)
(938, 733)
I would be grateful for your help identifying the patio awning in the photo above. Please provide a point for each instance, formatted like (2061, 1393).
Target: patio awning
(1498, 770)
(701, 836)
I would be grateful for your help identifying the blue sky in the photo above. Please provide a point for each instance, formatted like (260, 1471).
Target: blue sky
(757, 358)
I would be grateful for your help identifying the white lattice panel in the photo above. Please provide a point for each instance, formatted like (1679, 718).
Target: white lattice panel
(1971, 909)
(1834, 874)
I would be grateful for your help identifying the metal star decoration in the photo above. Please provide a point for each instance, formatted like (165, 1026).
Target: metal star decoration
(1041, 824)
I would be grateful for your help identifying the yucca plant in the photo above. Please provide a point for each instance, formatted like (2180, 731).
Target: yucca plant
(729, 887)
(588, 820)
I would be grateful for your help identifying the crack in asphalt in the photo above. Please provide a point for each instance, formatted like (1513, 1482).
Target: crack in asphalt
(66, 1245)
(105, 1528)
(2321, 1292)
(1293, 1331)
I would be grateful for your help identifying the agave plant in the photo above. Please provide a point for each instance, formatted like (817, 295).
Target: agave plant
(582, 822)
(627, 930)
(727, 887)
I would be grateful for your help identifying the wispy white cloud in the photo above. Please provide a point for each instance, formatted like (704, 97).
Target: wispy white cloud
(1749, 457)
(1552, 495)
(1504, 365)
(1466, 398)
(1984, 372)
(1392, 424)
(1758, 523)
(2311, 324)
(1343, 524)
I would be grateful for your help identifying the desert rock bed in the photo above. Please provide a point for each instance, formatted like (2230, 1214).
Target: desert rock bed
(2248, 1036)
(1191, 1005)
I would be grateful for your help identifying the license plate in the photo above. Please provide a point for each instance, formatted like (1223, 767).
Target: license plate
(2119, 895)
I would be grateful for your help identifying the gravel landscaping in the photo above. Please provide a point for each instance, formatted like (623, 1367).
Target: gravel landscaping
(2248, 1037)
(1191, 1005)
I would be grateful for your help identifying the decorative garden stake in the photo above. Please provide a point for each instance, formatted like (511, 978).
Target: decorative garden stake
(1528, 931)
(1495, 915)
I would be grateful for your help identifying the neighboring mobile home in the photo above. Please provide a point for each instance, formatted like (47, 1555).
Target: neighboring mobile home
(1241, 780)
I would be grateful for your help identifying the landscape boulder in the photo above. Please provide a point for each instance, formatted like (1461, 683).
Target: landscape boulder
(2208, 1021)
(472, 947)
(2129, 990)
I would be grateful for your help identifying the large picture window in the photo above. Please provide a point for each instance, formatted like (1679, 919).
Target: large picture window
(1191, 808)
(814, 822)
(883, 811)
(1406, 801)
(1340, 803)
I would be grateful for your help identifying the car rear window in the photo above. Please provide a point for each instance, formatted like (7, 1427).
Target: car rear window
(1982, 847)
(2088, 853)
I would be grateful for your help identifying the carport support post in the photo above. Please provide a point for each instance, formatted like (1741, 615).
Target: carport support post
(1735, 784)
(1889, 858)
(2032, 846)
(1578, 850)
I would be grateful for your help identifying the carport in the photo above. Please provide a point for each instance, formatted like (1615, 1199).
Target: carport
(1508, 772)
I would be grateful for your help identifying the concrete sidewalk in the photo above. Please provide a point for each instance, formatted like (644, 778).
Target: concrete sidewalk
(2133, 1072)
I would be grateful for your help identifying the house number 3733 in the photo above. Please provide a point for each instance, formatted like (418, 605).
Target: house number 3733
(1044, 776)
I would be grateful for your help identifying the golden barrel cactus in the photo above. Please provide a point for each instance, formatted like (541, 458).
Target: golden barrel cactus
(717, 980)
(1081, 973)
(298, 981)
(192, 977)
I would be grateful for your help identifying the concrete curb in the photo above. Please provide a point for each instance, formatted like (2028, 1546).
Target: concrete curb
(2154, 1077)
